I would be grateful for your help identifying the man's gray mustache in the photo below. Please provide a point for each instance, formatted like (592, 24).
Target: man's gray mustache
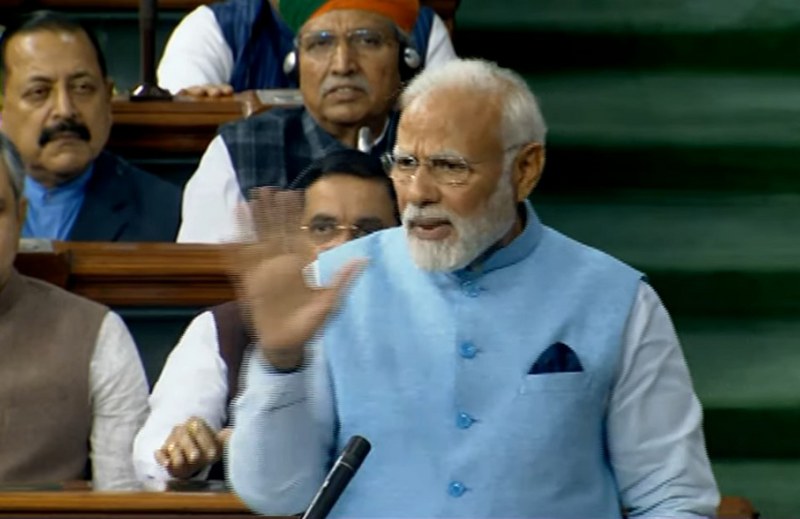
(356, 82)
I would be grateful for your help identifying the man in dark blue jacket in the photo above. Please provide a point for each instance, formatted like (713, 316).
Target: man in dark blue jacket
(57, 111)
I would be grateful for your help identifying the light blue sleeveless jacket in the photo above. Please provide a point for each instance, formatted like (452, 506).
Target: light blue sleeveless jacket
(433, 369)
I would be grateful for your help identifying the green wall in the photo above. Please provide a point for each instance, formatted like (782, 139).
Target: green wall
(674, 138)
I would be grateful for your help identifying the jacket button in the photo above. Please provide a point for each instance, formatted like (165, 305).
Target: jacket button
(456, 489)
(464, 421)
(470, 289)
(468, 350)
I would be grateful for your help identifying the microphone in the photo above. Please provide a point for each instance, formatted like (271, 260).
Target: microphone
(148, 89)
(364, 140)
(337, 479)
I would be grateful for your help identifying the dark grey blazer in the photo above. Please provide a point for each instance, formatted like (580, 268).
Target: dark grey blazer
(124, 203)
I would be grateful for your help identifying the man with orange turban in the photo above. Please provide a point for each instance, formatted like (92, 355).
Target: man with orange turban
(350, 57)
(236, 45)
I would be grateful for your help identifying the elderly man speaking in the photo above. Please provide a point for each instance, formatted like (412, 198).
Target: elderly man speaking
(351, 57)
(498, 367)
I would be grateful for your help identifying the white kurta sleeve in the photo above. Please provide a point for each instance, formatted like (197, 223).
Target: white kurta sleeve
(193, 382)
(440, 48)
(655, 434)
(196, 53)
(118, 395)
(212, 199)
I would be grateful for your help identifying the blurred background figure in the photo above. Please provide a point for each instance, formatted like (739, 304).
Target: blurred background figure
(347, 196)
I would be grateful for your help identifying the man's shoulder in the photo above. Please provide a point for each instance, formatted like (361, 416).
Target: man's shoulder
(62, 298)
(568, 248)
(373, 246)
(111, 164)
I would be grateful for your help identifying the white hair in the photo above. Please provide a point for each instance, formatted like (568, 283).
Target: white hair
(474, 234)
(522, 120)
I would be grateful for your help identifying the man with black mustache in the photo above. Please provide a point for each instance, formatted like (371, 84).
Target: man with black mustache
(351, 57)
(57, 110)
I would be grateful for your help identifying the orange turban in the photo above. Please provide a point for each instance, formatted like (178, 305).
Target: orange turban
(402, 12)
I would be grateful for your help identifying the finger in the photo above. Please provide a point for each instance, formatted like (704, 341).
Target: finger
(262, 211)
(276, 215)
(170, 447)
(218, 90)
(205, 439)
(224, 435)
(188, 448)
(346, 276)
(245, 227)
(175, 457)
(328, 298)
(194, 91)
(162, 458)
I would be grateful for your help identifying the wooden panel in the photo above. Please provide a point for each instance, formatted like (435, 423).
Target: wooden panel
(89, 501)
(184, 125)
(136, 274)
(160, 505)
(118, 505)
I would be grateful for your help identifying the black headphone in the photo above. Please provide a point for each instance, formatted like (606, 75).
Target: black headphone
(410, 61)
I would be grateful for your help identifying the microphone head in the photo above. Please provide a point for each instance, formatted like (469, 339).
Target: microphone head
(355, 451)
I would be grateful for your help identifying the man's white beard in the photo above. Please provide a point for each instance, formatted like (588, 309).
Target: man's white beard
(473, 235)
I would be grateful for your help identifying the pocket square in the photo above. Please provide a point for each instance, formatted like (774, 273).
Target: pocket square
(558, 358)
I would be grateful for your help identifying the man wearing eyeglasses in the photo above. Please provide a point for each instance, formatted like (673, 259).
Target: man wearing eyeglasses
(236, 45)
(498, 368)
(347, 196)
(351, 57)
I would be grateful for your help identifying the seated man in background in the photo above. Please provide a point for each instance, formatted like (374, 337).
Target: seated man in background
(347, 195)
(499, 368)
(73, 391)
(57, 110)
(351, 65)
(238, 45)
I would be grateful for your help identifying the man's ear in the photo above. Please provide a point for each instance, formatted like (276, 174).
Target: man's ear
(22, 213)
(528, 167)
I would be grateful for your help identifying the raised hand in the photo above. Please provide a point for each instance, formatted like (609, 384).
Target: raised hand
(284, 310)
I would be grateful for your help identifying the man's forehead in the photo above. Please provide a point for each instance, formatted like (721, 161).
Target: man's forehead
(447, 115)
(37, 52)
(345, 19)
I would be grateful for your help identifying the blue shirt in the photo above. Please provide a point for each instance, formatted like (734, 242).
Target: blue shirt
(52, 211)
(456, 379)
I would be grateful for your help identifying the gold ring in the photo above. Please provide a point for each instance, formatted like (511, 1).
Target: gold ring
(194, 425)
(171, 446)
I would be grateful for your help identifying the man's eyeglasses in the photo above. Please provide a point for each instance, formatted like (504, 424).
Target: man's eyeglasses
(321, 44)
(449, 170)
(324, 232)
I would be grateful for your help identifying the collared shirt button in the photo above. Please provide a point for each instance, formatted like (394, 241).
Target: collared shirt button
(467, 350)
(456, 489)
(464, 421)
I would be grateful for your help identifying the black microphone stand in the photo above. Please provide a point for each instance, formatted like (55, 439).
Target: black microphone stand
(148, 89)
